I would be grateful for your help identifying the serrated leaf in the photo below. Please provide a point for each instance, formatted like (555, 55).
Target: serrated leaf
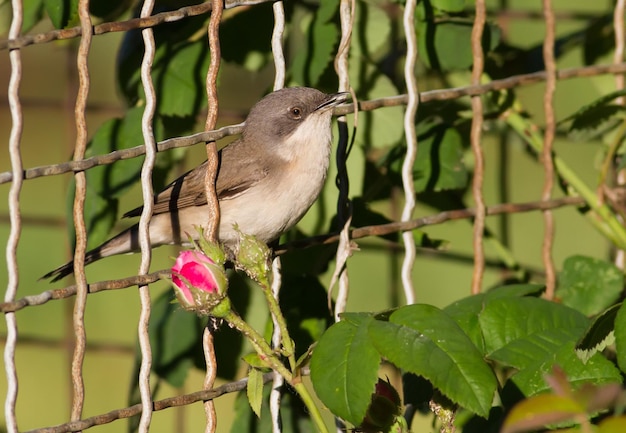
(424, 340)
(597, 370)
(599, 334)
(254, 390)
(541, 410)
(344, 368)
(506, 320)
(465, 312)
(533, 335)
(620, 337)
(597, 118)
(604, 100)
(589, 285)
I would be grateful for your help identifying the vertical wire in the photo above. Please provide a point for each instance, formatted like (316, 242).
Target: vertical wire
(618, 57)
(277, 45)
(344, 212)
(15, 217)
(278, 380)
(213, 217)
(475, 137)
(144, 221)
(546, 156)
(80, 303)
(279, 83)
(411, 149)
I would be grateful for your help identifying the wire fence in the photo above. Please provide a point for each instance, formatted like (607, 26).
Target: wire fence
(15, 301)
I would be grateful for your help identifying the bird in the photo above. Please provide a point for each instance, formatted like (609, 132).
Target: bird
(266, 181)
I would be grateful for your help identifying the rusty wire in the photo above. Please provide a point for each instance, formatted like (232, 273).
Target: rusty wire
(15, 137)
(159, 405)
(356, 233)
(122, 26)
(144, 221)
(548, 140)
(477, 150)
(618, 57)
(411, 149)
(213, 216)
(391, 101)
(279, 82)
(80, 228)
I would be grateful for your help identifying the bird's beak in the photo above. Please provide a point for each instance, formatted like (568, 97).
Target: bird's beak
(333, 100)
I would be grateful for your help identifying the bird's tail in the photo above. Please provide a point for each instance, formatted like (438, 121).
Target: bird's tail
(124, 242)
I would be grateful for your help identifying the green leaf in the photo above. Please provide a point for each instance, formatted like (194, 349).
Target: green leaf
(385, 126)
(344, 367)
(599, 334)
(614, 424)
(424, 340)
(316, 55)
(372, 35)
(539, 411)
(446, 44)
(620, 337)
(532, 335)
(174, 336)
(178, 72)
(108, 9)
(33, 12)
(112, 181)
(449, 5)
(304, 303)
(294, 418)
(61, 12)
(507, 320)
(181, 79)
(598, 370)
(589, 285)
(599, 39)
(465, 312)
(254, 390)
(596, 118)
(439, 164)
(245, 37)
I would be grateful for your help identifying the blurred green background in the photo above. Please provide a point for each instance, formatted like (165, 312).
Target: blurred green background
(44, 349)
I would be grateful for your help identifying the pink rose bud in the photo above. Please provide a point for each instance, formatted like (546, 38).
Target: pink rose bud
(383, 410)
(200, 284)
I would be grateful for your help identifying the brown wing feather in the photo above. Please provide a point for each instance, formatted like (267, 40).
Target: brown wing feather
(237, 172)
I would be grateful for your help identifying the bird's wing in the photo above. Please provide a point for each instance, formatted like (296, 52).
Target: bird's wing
(237, 172)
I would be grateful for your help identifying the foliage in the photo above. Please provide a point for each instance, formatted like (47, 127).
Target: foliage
(478, 358)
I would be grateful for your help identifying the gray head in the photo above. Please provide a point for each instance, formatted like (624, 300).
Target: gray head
(281, 113)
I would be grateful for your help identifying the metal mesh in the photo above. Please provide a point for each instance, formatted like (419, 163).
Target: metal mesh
(15, 300)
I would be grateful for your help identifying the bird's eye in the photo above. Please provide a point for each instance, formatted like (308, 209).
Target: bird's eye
(296, 112)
